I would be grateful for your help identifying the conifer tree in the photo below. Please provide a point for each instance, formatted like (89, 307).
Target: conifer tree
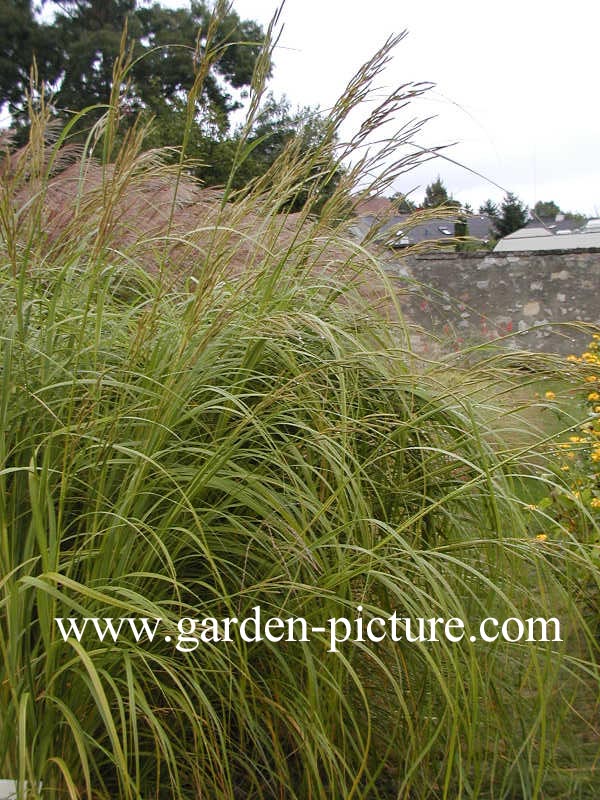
(436, 195)
(513, 216)
(489, 209)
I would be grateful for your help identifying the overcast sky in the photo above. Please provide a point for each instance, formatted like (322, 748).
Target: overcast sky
(516, 85)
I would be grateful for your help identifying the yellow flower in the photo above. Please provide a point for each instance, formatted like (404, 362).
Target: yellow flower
(541, 537)
(595, 456)
(590, 379)
(551, 396)
(593, 396)
(590, 358)
(565, 467)
(575, 439)
(571, 456)
(574, 359)
(595, 503)
(596, 409)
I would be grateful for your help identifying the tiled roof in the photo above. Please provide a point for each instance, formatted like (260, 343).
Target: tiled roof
(375, 206)
(410, 230)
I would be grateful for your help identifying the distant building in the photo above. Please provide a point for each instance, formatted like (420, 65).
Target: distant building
(556, 234)
(405, 230)
(412, 232)
(560, 222)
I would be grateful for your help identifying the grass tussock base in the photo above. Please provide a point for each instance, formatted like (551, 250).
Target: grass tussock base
(266, 439)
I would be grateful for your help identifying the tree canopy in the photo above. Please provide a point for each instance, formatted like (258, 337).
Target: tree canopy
(489, 208)
(513, 215)
(76, 53)
(436, 195)
(546, 208)
(402, 204)
(17, 33)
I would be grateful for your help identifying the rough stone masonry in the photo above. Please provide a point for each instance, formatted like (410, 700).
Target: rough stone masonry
(466, 298)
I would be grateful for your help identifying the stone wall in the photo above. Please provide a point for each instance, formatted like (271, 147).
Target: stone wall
(467, 298)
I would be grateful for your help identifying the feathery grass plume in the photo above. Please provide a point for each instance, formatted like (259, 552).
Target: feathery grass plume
(266, 439)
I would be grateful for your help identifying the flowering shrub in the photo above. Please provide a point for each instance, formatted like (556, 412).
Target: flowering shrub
(575, 507)
(588, 444)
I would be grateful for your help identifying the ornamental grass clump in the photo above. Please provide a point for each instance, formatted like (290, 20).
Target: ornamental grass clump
(197, 421)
